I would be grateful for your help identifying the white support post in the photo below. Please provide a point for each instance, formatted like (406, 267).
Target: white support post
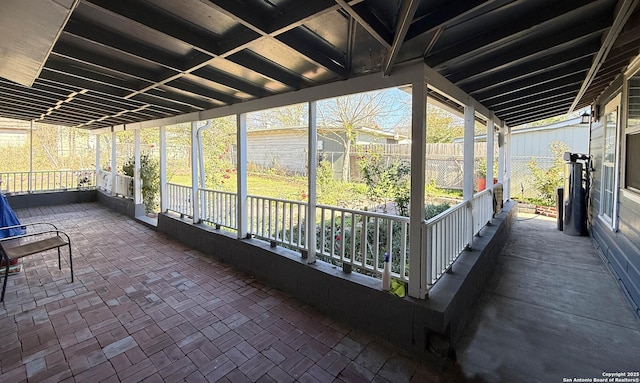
(137, 182)
(162, 132)
(98, 159)
(490, 144)
(311, 177)
(417, 262)
(501, 154)
(30, 155)
(468, 167)
(468, 161)
(114, 151)
(195, 201)
(507, 163)
(241, 170)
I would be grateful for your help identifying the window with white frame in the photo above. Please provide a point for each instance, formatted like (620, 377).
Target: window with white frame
(609, 160)
(632, 136)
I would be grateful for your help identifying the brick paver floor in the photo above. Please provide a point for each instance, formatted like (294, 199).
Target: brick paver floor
(144, 307)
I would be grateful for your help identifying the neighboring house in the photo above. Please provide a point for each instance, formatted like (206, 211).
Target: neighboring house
(285, 148)
(614, 211)
(535, 143)
(13, 132)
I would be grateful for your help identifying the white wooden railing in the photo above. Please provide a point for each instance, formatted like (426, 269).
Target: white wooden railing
(44, 181)
(277, 220)
(353, 237)
(445, 236)
(219, 208)
(482, 209)
(361, 238)
(121, 185)
(124, 186)
(103, 180)
(179, 199)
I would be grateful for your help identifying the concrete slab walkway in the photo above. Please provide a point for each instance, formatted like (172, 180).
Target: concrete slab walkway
(552, 310)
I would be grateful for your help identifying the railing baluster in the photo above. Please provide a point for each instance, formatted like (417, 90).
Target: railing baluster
(363, 240)
(276, 217)
(376, 240)
(290, 223)
(332, 233)
(342, 237)
(404, 226)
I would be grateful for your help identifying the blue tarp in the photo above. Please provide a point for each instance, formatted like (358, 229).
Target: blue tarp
(8, 218)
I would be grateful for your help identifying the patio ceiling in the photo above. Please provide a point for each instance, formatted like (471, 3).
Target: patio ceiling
(121, 62)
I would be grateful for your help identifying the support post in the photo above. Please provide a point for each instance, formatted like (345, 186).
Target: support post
(114, 152)
(137, 182)
(490, 144)
(195, 201)
(417, 262)
(468, 167)
(241, 170)
(501, 155)
(312, 161)
(468, 161)
(30, 155)
(162, 132)
(98, 159)
(507, 164)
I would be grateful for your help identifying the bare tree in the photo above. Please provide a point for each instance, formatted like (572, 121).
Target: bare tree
(341, 117)
(286, 116)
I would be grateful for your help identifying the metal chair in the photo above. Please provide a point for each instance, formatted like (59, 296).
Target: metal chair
(47, 238)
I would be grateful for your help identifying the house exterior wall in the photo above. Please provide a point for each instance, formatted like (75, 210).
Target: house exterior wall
(284, 150)
(13, 137)
(619, 244)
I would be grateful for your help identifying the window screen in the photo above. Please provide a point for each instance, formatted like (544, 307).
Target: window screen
(632, 175)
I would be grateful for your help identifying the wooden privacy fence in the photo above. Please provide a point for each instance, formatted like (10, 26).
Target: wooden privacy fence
(443, 160)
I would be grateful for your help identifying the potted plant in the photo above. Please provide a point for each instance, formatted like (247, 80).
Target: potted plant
(149, 178)
(482, 174)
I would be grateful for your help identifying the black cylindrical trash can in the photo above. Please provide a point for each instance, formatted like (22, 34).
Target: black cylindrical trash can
(559, 207)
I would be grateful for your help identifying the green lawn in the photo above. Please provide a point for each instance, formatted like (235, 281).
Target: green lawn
(352, 195)
(272, 186)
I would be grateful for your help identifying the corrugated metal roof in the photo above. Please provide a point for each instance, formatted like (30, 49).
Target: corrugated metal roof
(120, 62)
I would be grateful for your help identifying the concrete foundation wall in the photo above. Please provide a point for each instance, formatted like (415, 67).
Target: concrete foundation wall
(120, 205)
(21, 201)
(357, 299)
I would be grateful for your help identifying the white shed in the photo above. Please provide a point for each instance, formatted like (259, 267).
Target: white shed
(535, 142)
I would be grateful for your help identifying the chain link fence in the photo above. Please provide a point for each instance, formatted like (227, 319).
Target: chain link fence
(522, 181)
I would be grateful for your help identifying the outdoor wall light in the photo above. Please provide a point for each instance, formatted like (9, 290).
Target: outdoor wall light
(586, 117)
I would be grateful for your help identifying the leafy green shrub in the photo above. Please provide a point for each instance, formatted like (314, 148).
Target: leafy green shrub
(386, 179)
(150, 180)
(431, 211)
(546, 181)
